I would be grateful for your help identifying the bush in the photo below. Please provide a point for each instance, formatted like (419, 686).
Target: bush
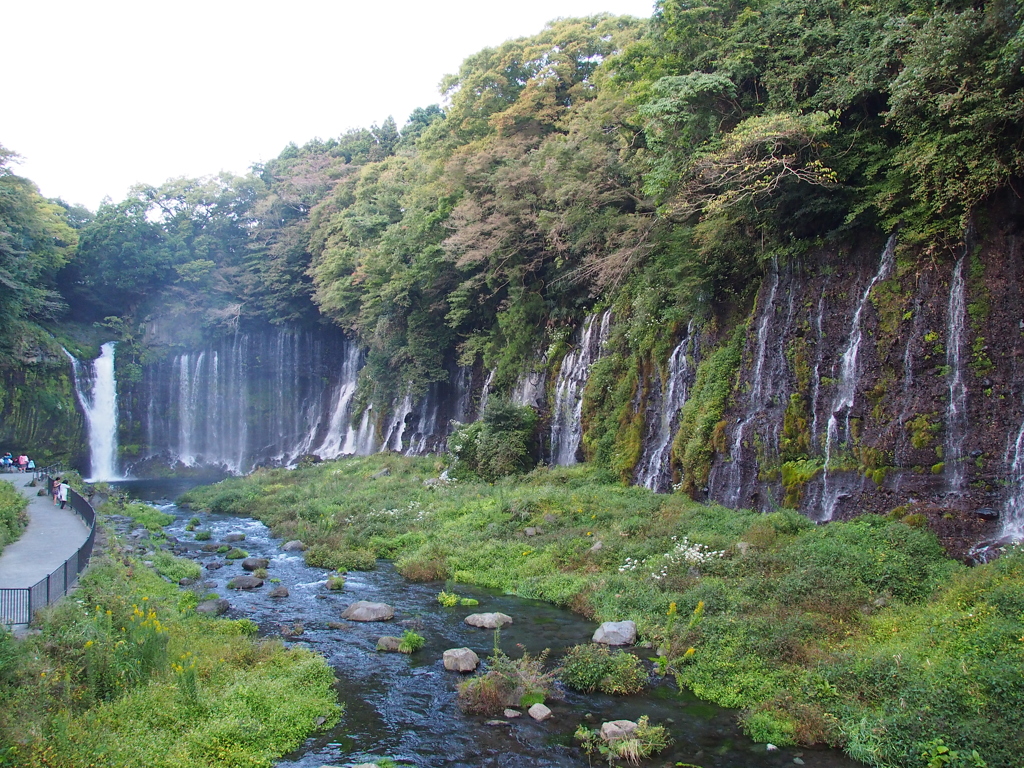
(507, 683)
(203, 535)
(175, 568)
(593, 667)
(447, 599)
(324, 556)
(645, 741)
(411, 642)
(13, 518)
(498, 444)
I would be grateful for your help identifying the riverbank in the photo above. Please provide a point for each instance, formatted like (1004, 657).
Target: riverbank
(125, 673)
(861, 634)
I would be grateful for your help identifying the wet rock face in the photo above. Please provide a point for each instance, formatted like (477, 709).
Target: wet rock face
(935, 374)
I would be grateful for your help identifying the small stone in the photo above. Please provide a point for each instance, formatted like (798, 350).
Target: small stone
(512, 714)
(185, 582)
(279, 591)
(383, 473)
(389, 643)
(798, 761)
(336, 625)
(495, 722)
(987, 513)
(245, 582)
(460, 660)
(742, 547)
(214, 566)
(616, 633)
(598, 546)
(255, 563)
(294, 546)
(539, 712)
(488, 620)
(211, 547)
(771, 748)
(363, 610)
(550, 519)
(234, 537)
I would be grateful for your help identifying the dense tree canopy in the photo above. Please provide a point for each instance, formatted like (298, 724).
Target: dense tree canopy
(575, 166)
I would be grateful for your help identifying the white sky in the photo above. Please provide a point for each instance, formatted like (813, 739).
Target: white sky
(99, 95)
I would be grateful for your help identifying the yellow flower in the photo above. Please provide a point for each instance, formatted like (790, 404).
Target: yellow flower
(88, 643)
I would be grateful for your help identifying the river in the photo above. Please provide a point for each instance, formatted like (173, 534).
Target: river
(405, 707)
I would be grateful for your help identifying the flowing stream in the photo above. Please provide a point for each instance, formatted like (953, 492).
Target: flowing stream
(405, 707)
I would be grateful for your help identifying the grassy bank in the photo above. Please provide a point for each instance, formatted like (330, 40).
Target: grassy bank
(859, 634)
(12, 513)
(124, 673)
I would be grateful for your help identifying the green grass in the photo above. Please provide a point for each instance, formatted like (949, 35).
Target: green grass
(817, 633)
(126, 674)
(13, 518)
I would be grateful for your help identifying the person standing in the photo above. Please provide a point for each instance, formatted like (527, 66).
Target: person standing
(55, 490)
(63, 493)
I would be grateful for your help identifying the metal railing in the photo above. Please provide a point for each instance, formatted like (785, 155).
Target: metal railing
(17, 605)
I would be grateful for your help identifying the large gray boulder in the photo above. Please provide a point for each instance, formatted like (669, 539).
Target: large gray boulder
(488, 620)
(245, 582)
(255, 563)
(616, 633)
(460, 660)
(215, 607)
(364, 610)
(294, 546)
(233, 537)
(279, 591)
(389, 643)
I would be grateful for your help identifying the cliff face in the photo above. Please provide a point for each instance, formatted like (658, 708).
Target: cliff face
(868, 377)
(882, 378)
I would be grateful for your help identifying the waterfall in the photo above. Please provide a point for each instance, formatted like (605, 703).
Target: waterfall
(654, 464)
(425, 434)
(566, 416)
(956, 409)
(362, 441)
(463, 394)
(97, 394)
(396, 430)
(485, 393)
(339, 428)
(1013, 510)
(755, 398)
(846, 389)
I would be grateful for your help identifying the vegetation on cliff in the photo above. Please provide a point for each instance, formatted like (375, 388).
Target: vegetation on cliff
(860, 634)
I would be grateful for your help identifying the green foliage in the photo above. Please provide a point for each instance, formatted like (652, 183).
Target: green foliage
(411, 642)
(447, 599)
(13, 517)
(174, 568)
(322, 556)
(592, 667)
(121, 676)
(645, 741)
(693, 446)
(498, 444)
(507, 682)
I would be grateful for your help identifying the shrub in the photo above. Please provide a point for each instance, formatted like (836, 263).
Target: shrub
(593, 667)
(12, 514)
(496, 445)
(411, 642)
(203, 535)
(447, 599)
(175, 568)
(236, 554)
(645, 741)
(507, 683)
(336, 581)
(325, 556)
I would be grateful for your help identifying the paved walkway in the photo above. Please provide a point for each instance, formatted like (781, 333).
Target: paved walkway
(52, 536)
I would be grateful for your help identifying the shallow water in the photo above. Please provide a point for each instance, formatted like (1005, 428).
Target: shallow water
(405, 707)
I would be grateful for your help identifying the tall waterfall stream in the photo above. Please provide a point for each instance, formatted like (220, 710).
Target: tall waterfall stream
(405, 707)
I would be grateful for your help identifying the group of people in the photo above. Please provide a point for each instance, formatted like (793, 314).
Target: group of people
(21, 463)
(59, 490)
